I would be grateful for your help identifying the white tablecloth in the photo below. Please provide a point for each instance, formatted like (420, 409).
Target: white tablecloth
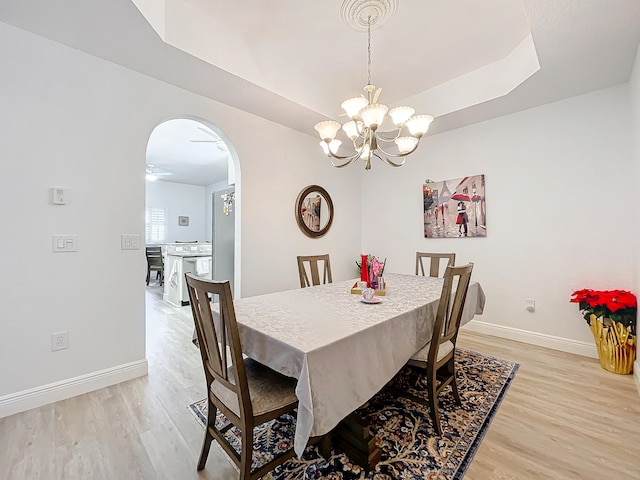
(341, 350)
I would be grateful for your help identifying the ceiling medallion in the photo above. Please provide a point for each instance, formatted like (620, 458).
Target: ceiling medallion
(356, 13)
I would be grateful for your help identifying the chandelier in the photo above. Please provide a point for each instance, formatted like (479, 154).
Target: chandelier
(227, 199)
(366, 116)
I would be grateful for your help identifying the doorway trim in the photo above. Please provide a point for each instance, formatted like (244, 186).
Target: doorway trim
(237, 176)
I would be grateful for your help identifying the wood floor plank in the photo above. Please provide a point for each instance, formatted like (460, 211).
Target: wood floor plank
(563, 418)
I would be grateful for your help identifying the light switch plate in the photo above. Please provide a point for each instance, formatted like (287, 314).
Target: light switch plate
(65, 243)
(130, 241)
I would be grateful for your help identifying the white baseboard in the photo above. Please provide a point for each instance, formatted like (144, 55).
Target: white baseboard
(586, 349)
(54, 392)
(636, 372)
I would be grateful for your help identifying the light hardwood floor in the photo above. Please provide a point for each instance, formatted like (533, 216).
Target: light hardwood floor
(563, 418)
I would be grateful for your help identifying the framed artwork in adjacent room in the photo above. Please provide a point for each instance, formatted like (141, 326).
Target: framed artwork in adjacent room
(183, 221)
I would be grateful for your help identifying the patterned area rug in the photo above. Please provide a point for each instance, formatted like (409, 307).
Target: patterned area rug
(410, 446)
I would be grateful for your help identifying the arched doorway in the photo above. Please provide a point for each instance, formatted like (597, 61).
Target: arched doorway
(189, 157)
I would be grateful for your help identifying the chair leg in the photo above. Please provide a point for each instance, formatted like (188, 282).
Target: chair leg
(433, 402)
(451, 370)
(148, 275)
(246, 456)
(206, 443)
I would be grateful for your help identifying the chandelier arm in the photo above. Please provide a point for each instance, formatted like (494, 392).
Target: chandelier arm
(355, 143)
(341, 165)
(389, 139)
(362, 132)
(399, 155)
(349, 159)
(389, 162)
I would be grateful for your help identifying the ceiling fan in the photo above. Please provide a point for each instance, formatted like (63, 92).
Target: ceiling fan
(214, 139)
(152, 175)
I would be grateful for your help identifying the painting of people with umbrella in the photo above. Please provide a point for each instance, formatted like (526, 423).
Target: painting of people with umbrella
(455, 208)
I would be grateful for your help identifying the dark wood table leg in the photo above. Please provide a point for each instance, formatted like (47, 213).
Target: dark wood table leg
(325, 447)
(323, 444)
(353, 436)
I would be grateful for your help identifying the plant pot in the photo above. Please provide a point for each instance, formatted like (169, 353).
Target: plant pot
(616, 346)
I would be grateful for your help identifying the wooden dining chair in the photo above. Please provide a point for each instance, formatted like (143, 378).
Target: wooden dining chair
(245, 391)
(434, 266)
(155, 263)
(436, 358)
(314, 262)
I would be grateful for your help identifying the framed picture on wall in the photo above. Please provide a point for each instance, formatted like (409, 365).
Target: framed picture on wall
(183, 221)
(455, 208)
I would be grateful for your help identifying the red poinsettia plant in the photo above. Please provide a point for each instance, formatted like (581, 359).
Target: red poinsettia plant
(619, 305)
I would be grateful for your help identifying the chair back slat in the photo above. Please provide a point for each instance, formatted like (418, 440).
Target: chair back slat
(218, 335)
(153, 250)
(313, 262)
(212, 342)
(434, 266)
(450, 306)
(154, 255)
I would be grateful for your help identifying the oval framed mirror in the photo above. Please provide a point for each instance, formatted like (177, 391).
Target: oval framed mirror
(314, 211)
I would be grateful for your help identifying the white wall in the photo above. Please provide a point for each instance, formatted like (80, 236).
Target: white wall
(560, 203)
(180, 199)
(634, 88)
(69, 119)
(208, 209)
(274, 181)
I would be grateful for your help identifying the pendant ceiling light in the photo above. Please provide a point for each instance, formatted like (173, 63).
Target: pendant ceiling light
(366, 114)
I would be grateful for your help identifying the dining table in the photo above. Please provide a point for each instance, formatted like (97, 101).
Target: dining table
(342, 350)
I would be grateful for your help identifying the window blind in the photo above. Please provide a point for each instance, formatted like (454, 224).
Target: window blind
(155, 225)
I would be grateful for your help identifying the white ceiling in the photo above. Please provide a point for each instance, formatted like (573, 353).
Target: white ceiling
(293, 62)
(186, 151)
(308, 54)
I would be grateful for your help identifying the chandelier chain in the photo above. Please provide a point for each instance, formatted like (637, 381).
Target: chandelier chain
(369, 50)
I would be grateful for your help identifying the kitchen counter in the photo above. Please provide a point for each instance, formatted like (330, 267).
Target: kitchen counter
(184, 258)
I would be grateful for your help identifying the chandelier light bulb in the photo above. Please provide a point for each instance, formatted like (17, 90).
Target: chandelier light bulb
(352, 106)
(406, 144)
(373, 115)
(327, 129)
(419, 124)
(351, 129)
(332, 146)
(400, 115)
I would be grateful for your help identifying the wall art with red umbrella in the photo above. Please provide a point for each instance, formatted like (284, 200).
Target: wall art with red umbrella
(455, 208)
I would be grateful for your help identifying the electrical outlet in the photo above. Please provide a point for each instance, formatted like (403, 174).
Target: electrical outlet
(59, 341)
(58, 195)
(529, 304)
